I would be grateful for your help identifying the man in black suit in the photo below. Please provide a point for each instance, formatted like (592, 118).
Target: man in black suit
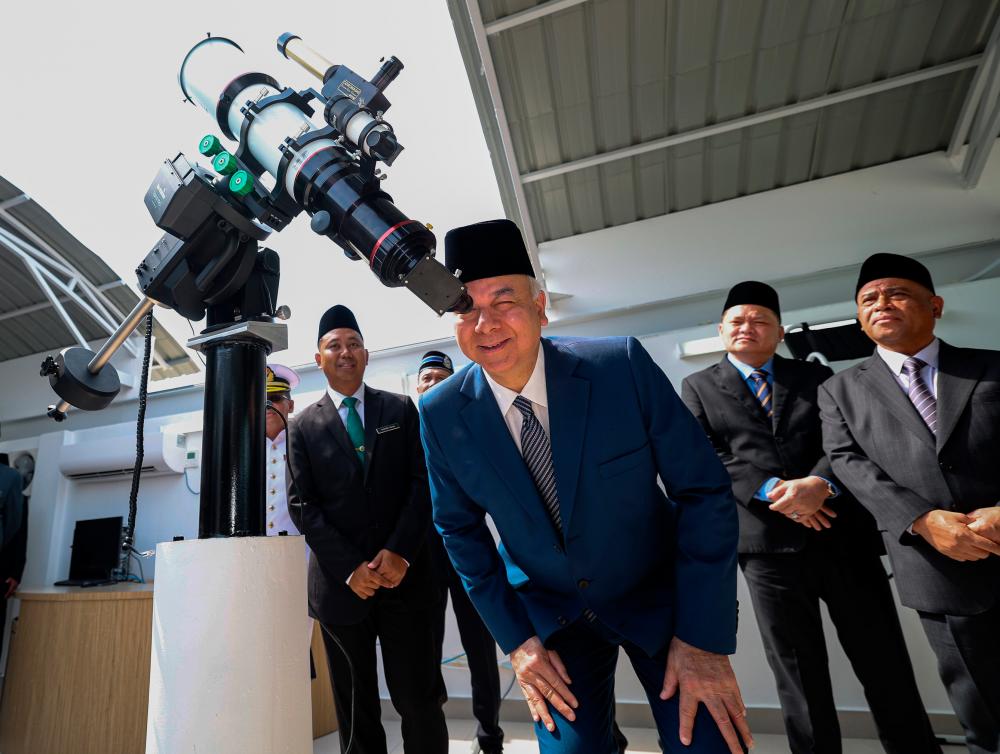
(358, 492)
(803, 538)
(914, 433)
(477, 641)
(14, 548)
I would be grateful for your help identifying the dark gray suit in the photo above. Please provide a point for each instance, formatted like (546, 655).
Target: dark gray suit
(882, 450)
(790, 568)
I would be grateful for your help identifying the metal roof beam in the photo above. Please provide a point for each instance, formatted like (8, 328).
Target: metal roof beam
(737, 124)
(980, 116)
(14, 201)
(46, 254)
(975, 93)
(493, 87)
(531, 14)
(44, 270)
(42, 306)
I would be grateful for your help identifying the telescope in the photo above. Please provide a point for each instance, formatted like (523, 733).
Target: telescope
(315, 150)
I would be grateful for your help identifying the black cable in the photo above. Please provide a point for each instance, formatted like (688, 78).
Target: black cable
(350, 665)
(187, 484)
(197, 353)
(133, 553)
(139, 435)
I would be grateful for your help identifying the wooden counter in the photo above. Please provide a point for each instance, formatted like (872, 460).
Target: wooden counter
(78, 673)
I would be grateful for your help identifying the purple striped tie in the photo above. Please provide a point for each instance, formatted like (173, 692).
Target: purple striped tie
(920, 395)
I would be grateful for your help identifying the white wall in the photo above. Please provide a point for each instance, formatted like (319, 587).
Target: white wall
(909, 206)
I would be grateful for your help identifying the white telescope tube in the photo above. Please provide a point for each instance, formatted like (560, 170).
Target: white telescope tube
(209, 69)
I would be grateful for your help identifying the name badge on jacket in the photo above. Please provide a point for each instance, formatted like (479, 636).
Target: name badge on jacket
(386, 428)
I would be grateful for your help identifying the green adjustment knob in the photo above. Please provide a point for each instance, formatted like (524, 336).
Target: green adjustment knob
(241, 183)
(225, 163)
(210, 146)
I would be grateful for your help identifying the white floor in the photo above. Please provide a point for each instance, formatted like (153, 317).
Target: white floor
(520, 739)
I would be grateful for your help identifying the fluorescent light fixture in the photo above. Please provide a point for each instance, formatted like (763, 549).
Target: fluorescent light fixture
(825, 325)
(700, 347)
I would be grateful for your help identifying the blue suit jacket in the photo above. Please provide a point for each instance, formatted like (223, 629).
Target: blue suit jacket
(649, 565)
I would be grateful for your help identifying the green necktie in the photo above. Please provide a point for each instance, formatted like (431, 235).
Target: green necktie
(355, 429)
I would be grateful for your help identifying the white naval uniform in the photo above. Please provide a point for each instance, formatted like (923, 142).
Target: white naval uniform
(276, 493)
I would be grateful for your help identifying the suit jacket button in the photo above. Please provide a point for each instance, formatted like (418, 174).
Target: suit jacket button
(583, 583)
(557, 549)
(561, 621)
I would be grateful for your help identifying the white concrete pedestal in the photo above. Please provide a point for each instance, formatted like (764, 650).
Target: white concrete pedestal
(230, 660)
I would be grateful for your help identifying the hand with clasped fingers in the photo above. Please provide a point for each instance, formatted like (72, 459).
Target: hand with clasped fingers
(707, 678)
(803, 501)
(986, 523)
(959, 536)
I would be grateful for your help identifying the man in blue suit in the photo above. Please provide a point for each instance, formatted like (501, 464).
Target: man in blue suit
(561, 442)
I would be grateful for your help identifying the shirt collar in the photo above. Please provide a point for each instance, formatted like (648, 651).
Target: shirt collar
(534, 390)
(746, 369)
(338, 398)
(895, 360)
(279, 440)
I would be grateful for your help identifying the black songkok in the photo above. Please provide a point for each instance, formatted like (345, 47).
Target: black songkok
(753, 293)
(486, 250)
(882, 265)
(336, 317)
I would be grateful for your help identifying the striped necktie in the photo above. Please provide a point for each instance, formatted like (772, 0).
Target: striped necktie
(919, 394)
(762, 391)
(537, 453)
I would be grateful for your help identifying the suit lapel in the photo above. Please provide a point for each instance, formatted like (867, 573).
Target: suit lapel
(956, 379)
(878, 378)
(373, 415)
(335, 426)
(783, 385)
(568, 398)
(482, 417)
(731, 382)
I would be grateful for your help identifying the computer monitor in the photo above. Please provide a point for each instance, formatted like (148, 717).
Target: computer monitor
(96, 548)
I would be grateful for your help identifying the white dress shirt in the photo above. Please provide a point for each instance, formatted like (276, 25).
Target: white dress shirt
(338, 401)
(928, 355)
(275, 491)
(534, 391)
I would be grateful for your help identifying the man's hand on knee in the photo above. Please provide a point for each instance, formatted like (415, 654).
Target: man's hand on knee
(706, 678)
(543, 680)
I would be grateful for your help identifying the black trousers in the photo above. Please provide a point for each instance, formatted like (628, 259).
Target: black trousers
(411, 673)
(968, 655)
(786, 590)
(477, 641)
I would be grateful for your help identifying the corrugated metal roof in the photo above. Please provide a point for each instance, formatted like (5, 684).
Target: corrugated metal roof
(608, 74)
(39, 328)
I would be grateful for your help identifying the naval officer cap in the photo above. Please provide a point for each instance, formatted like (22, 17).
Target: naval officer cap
(335, 318)
(753, 293)
(280, 379)
(436, 360)
(486, 250)
(883, 265)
